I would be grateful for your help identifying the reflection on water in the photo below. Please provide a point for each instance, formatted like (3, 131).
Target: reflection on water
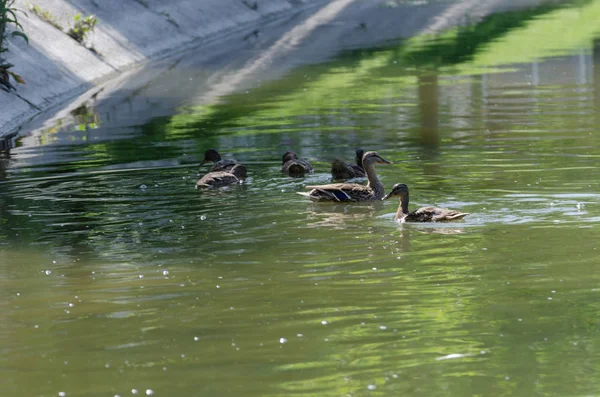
(119, 275)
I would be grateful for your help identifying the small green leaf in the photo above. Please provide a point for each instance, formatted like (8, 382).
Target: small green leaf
(21, 34)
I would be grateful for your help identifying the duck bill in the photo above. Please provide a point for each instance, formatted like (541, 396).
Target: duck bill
(387, 196)
(384, 161)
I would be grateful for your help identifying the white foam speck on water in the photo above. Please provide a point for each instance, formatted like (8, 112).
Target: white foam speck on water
(324, 322)
(165, 272)
(299, 335)
(141, 276)
(382, 327)
(149, 392)
(143, 187)
(48, 272)
(62, 394)
(452, 356)
(371, 387)
(282, 340)
(196, 338)
(134, 391)
(203, 218)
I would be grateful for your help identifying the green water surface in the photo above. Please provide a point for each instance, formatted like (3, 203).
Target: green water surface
(119, 277)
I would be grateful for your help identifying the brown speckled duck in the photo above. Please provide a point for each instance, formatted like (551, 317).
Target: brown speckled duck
(219, 163)
(293, 166)
(341, 170)
(423, 214)
(352, 192)
(222, 178)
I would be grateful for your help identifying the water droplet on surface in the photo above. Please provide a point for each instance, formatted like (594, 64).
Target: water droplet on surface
(282, 340)
(371, 387)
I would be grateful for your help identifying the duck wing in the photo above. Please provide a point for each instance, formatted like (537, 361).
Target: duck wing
(340, 192)
(217, 179)
(297, 167)
(223, 165)
(341, 170)
(434, 214)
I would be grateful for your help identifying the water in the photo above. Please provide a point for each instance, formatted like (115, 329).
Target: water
(118, 275)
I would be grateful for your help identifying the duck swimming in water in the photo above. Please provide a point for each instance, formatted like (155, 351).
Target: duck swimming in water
(423, 214)
(219, 163)
(352, 192)
(293, 166)
(341, 170)
(222, 178)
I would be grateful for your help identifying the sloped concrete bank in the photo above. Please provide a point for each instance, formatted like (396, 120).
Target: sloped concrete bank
(128, 33)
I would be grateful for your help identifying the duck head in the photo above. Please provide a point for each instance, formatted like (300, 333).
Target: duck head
(211, 155)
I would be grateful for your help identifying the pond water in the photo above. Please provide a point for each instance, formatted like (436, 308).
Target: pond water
(119, 277)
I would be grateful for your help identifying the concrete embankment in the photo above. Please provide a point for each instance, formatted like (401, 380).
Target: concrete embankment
(131, 32)
(128, 33)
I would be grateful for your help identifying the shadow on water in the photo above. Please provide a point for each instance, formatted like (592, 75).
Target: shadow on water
(115, 267)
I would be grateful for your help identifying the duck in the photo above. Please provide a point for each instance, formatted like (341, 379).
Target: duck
(341, 170)
(222, 178)
(218, 163)
(352, 192)
(423, 214)
(293, 166)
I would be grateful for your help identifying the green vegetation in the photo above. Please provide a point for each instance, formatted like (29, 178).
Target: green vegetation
(8, 15)
(45, 15)
(82, 27)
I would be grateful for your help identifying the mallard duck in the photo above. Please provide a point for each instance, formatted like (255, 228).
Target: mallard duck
(293, 166)
(352, 192)
(423, 214)
(219, 163)
(222, 178)
(341, 170)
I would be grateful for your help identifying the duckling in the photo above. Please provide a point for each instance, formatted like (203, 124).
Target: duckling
(341, 170)
(424, 214)
(293, 166)
(352, 192)
(222, 178)
(219, 163)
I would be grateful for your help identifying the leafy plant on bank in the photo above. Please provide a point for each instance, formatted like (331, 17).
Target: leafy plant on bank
(45, 15)
(82, 27)
(8, 15)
